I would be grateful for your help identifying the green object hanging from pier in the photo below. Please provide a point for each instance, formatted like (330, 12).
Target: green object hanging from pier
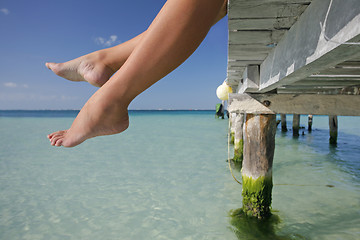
(219, 111)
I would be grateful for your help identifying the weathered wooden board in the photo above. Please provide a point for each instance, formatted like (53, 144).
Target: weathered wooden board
(308, 91)
(245, 37)
(249, 48)
(324, 83)
(296, 57)
(264, 9)
(250, 80)
(232, 82)
(264, 37)
(350, 90)
(248, 57)
(243, 63)
(341, 71)
(235, 68)
(307, 63)
(331, 78)
(349, 64)
(278, 23)
(315, 104)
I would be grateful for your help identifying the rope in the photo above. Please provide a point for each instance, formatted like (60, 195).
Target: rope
(232, 174)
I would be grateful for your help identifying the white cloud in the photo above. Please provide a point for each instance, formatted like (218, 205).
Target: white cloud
(14, 85)
(107, 43)
(10, 84)
(100, 40)
(5, 11)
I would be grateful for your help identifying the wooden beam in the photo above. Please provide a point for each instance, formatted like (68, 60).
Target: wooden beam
(246, 49)
(250, 79)
(314, 43)
(265, 9)
(242, 63)
(355, 72)
(315, 104)
(326, 82)
(349, 64)
(333, 78)
(264, 37)
(262, 23)
(347, 90)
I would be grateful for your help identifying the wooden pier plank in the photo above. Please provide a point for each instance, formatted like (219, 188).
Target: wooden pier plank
(264, 37)
(325, 82)
(316, 104)
(265, 9)
(276, 23)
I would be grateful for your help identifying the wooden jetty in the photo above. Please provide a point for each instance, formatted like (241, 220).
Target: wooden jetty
(288, 57)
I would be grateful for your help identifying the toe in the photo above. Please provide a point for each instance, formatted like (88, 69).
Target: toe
(55, 67)
(52, 135)
(49, 65)
(58, 142)
(55, 139)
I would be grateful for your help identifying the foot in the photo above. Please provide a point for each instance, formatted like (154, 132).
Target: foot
(89, 68)
(96, 118)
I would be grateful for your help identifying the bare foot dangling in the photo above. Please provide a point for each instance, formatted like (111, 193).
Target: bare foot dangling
(98, 117)
(87, 68)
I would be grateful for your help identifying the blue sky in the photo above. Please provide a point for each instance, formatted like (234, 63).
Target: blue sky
(33, 32)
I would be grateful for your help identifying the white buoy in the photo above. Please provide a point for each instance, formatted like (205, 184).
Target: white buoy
(222, 92)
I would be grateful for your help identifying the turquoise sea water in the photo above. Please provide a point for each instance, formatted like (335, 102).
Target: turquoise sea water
(166, 177)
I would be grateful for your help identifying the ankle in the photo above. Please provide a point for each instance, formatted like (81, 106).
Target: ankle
(105, 56)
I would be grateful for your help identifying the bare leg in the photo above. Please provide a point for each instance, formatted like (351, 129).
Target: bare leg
(176, 32)
(97, 67)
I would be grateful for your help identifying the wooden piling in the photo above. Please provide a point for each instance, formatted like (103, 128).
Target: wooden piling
(310, 121)
(238, 138)
(333, 129)
(259, 146)
(232, 118)
(296, 125)
(283, 123)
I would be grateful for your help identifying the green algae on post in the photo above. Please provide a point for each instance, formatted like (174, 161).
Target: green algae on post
(257, 196)
(232, 137)
(238, 151)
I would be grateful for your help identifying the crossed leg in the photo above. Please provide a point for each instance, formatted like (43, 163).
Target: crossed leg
(97, 67)
(176, 32)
